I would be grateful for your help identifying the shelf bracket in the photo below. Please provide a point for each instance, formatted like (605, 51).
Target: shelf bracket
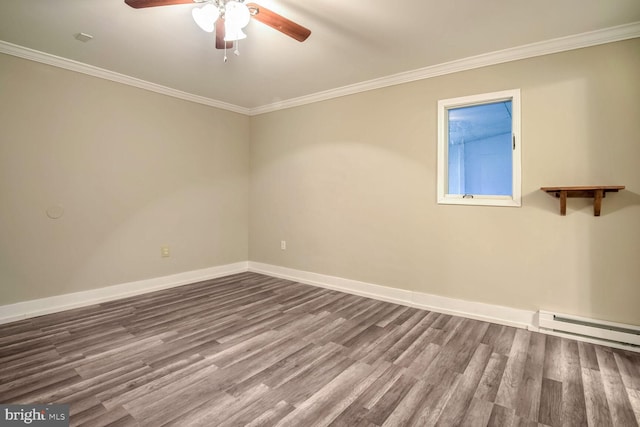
(597, 192)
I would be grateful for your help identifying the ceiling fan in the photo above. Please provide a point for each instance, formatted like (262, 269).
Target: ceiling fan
(228, 17)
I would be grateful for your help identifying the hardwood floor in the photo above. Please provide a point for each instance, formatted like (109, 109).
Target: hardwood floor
(253, 350)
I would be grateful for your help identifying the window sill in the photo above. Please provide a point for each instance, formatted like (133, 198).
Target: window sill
(455, 199)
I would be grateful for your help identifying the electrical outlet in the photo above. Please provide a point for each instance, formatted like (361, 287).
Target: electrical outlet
(164, 251)
(283, 244)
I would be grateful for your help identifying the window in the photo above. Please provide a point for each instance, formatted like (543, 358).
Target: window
(479, 149)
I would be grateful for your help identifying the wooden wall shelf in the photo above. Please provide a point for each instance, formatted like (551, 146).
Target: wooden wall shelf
(598, 192)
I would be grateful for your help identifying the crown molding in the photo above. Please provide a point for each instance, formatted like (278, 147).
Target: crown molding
(80, 67)
(562, 44)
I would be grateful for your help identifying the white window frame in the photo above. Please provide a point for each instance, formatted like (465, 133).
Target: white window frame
(444, 105)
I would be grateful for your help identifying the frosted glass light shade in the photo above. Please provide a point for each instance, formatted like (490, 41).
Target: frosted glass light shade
(232, 33)
(206, 17)
(236, 14)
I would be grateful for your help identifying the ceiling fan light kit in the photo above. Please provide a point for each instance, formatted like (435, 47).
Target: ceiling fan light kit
(236, 15)
(227, 18)
(206, 17)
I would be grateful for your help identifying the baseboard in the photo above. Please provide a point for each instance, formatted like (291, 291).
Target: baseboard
(501, 315)
(39, 307)
(474, 310)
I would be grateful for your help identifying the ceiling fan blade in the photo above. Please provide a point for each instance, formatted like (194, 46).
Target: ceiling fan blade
(279, 22)
(220, 43)
(139, 4)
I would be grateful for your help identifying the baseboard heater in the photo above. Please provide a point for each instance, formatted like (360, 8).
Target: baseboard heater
(594, 330)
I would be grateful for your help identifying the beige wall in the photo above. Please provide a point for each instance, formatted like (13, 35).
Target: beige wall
(350, 184)
(133, 169)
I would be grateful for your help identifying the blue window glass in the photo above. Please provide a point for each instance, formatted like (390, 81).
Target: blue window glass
(480, 149)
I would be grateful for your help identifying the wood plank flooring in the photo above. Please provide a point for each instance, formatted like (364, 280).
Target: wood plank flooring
(258, 351)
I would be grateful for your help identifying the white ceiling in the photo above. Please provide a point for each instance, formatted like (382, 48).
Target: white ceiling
(351, 41)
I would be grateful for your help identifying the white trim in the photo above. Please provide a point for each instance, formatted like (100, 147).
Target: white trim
(444, 105)
(472, 310)
(525, 319)
(501, 315)
(80, 67)
(39, 307)
(562, 44)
